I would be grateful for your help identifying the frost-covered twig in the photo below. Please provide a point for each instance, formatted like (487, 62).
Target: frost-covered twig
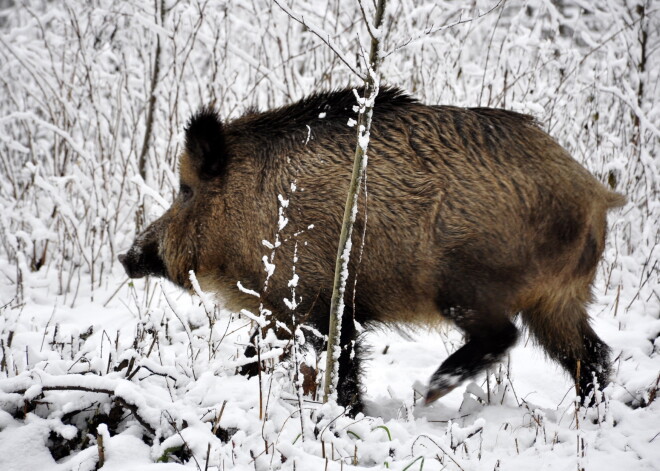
(209, 307)
(441, 448)
(432, 30)
(322, 35)
(185, 326)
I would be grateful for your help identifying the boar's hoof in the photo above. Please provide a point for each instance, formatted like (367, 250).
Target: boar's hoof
(249, 370)
(441, 386)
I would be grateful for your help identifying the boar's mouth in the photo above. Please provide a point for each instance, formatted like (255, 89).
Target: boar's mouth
(139, 262)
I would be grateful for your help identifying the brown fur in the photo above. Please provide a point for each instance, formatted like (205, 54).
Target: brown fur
(472, 214)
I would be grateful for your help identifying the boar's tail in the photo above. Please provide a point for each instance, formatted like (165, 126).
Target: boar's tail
(614, 200)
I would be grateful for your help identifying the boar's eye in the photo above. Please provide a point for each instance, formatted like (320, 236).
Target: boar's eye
(185, 192)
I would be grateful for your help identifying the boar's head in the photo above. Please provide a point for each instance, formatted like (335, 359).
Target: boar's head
(187, 236)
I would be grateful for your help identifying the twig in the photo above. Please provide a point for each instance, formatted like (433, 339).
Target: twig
(142, 161)
(99, 445)
(216, 425)
(115, 292)
(322, 35)
(440, 447)
(433, 30)
(178, 432)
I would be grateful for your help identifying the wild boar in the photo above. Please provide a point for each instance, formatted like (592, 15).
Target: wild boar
(471, 215)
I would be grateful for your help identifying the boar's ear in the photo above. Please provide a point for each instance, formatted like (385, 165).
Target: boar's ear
(205, 142)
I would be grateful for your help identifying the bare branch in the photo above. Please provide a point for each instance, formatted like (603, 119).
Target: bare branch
(322, 35)
(432, 30)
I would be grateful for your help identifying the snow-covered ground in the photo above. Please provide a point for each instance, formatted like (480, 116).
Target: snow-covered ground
(144, 374)
(67, 368)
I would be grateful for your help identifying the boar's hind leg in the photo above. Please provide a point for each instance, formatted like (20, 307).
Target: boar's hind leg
(488, 335)
(563, 330)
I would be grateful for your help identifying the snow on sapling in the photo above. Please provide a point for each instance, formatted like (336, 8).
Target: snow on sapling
(264, 332)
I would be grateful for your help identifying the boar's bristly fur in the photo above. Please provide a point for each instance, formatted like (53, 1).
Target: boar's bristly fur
(470, 215)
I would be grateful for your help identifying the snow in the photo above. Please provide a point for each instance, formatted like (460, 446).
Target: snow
(530, 416)
(259, 320)
(268, 267)
(22, 446)
(84, 352)
(208, 306)
(245, 290)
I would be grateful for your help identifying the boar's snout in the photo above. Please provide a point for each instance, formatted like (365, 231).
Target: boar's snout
(142, 260)
(131, 265)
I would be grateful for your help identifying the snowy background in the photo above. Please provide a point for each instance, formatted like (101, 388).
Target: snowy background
(93, 99)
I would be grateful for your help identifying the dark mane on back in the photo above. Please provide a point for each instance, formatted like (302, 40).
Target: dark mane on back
(328, 109)
(340, 103)
(512, 118)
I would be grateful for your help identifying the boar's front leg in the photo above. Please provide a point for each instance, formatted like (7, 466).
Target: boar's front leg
(488, 338)
(349, 390)
(252, 368)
